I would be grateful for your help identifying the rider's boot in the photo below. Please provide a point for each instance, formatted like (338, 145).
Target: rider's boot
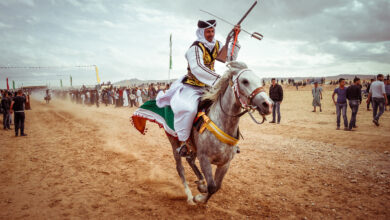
(183, 149)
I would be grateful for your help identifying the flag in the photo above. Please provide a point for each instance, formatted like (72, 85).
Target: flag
(97, 74)
(170, 52)
(71, 83)
(13, 84)
(7, 84)
(61, 82)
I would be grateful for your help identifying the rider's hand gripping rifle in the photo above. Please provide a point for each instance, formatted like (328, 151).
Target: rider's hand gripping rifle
(222, 56)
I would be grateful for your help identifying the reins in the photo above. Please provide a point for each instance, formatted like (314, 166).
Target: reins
(248, 107)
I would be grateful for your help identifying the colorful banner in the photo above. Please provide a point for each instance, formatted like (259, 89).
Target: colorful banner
(61, 82)
(13, 84)
(97, 74)
(7, 84)
(71, 83)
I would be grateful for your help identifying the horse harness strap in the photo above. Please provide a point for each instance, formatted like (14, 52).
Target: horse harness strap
(213, 128)
(236, 88)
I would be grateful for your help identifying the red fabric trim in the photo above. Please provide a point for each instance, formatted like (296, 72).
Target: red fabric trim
(139, 123)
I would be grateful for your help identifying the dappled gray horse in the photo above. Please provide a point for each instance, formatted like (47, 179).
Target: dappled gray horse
(238, 88)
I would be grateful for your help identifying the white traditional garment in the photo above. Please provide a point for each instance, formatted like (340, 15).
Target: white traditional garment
(82, 99)
(184, 98)
(125, 98)
(139, 97)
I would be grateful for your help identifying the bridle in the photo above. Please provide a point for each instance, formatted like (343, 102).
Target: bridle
(245, 105)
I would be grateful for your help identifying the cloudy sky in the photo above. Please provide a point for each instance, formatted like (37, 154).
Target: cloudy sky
(130, 39)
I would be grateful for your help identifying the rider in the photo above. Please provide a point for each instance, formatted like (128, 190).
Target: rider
(185, 93)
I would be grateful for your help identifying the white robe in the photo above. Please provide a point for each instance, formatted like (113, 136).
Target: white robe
(125, 99)
(183, 98)
(139, 97)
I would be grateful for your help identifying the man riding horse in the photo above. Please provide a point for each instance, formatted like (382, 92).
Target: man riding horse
(185, 93)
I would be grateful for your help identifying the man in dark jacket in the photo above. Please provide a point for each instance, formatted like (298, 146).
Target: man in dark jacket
(5, 105)
(368, 91)
(354, 96)
(18, 106)
(276, 94)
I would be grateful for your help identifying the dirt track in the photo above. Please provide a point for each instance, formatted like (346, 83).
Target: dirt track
(84, 162)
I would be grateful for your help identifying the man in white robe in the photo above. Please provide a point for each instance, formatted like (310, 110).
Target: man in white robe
(185, 93)
(125, 98)
(139, 97)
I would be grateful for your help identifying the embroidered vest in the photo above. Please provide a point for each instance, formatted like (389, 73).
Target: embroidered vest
(208, 60)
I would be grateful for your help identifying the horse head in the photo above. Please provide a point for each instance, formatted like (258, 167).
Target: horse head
(248, 89)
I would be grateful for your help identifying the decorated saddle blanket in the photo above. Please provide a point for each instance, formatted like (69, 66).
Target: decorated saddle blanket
(149, 111)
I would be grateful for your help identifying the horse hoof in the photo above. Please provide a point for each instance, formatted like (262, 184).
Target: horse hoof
(191, 201)
(202, 187)
(200, 198)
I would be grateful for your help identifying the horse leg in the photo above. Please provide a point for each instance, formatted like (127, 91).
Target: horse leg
(207, 170)
(180, 171)
(201, 183)
(220, 173)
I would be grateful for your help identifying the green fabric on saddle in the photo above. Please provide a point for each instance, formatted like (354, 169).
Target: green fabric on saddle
(165, 112)
(149, 111)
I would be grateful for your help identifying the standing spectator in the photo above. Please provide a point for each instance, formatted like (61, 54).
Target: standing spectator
(387, 89)
(152, 92)
(5, 105)
(317, 96)
(379, 98)
(132, 98)
(276, 94)
(354, 96)
(139, 97)
(116, 96)
(341, 104)
(97, 98)
(158, 89)
(120, 90)
(17, 106)
(368, 91)
(109, 96)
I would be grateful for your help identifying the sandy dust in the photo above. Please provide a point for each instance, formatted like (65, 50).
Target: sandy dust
(89, 163)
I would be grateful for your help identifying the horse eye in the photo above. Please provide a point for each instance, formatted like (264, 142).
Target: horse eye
(245, 82)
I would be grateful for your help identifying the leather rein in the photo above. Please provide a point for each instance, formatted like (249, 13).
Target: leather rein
(247, 106)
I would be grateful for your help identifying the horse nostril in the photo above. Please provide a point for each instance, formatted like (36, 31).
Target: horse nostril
(265, 104)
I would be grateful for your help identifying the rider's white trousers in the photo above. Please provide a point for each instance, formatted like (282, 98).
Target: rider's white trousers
(183, 100)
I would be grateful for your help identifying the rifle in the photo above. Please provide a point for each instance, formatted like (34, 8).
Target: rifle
(223, 54)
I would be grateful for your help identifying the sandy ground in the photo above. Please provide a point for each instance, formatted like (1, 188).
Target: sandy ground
(82, 162)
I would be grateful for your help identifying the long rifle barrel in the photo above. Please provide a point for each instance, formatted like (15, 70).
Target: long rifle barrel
(254, 34)
(246, 14)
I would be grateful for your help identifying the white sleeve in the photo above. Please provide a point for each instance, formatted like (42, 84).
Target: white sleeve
(235, 53)
(194, 57)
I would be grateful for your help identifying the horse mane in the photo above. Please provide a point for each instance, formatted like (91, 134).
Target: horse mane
(214, 93)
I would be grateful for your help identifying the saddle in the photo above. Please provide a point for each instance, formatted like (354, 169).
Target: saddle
(203, 122)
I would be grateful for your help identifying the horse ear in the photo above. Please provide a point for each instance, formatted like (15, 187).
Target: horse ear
(236, 66)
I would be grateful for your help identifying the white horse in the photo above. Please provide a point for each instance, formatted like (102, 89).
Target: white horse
(238, 88)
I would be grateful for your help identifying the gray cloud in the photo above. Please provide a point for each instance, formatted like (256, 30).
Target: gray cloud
(129, 39)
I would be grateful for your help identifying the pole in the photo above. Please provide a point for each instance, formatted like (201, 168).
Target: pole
(170, 58)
